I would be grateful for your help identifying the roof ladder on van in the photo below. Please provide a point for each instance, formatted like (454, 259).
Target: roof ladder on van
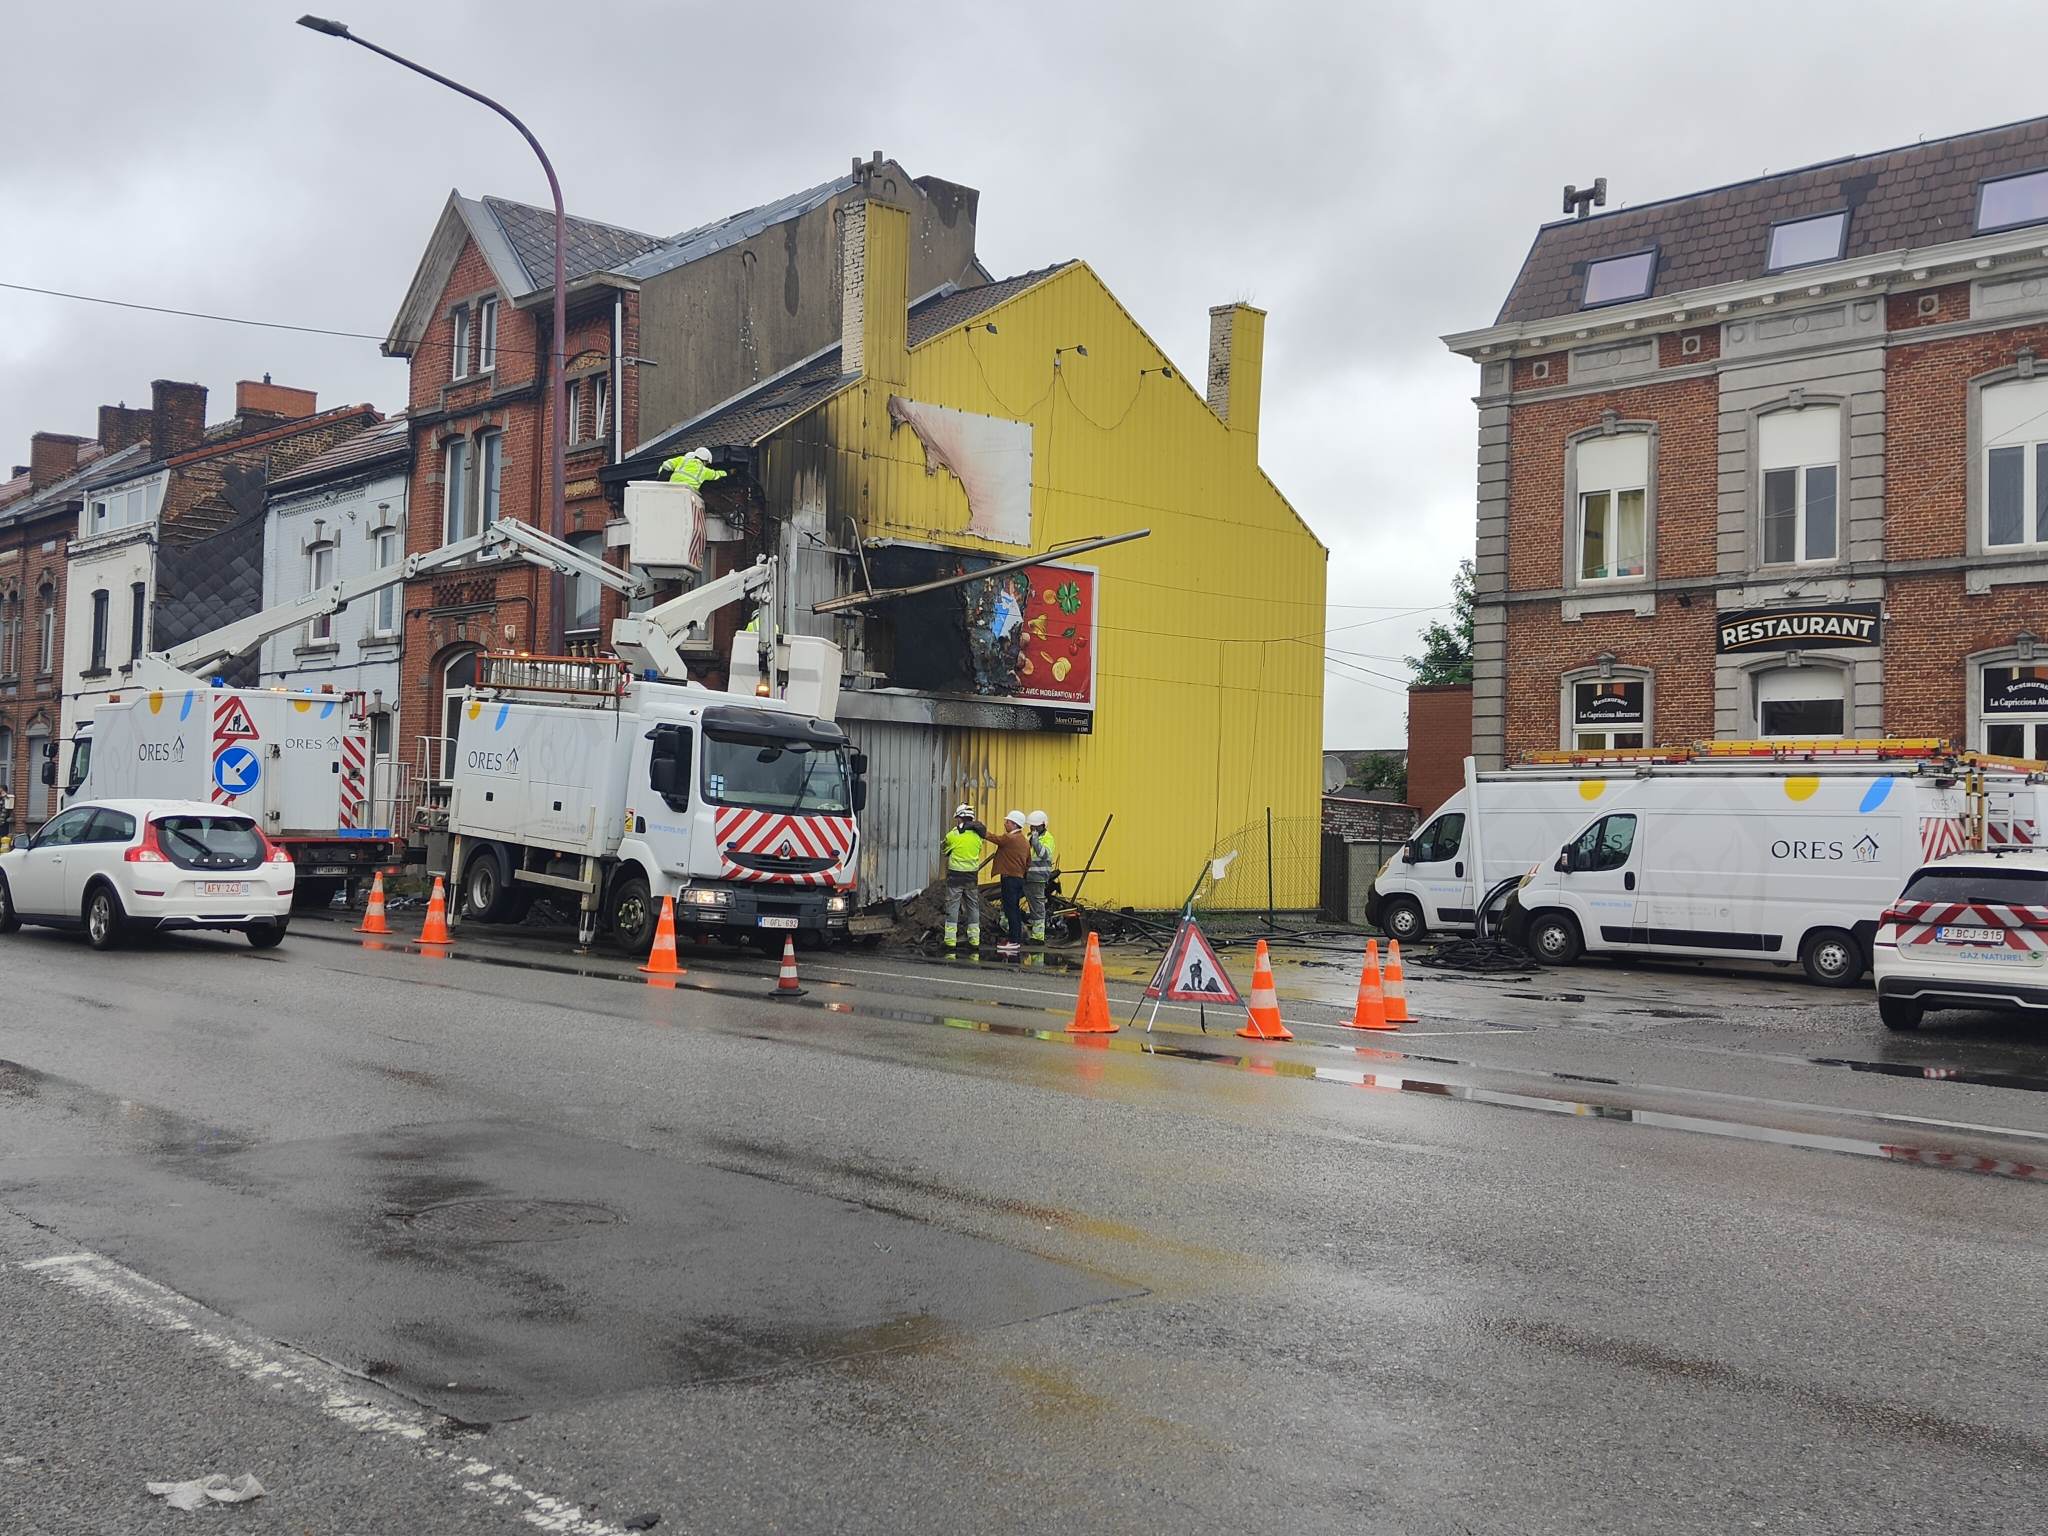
(568, 679)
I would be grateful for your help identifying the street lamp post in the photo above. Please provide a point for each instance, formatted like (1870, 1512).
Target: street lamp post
(557, 523)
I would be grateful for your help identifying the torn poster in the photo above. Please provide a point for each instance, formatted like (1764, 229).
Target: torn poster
(989, 456)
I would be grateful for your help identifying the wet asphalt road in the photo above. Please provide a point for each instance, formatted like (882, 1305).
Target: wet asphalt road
(509, 1239)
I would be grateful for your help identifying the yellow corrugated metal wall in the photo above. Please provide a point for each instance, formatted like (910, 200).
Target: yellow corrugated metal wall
(1209, 678)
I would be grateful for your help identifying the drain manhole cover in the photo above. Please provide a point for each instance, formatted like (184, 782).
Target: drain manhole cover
(511, 1221)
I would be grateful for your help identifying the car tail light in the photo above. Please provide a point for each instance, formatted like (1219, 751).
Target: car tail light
(148, 851)
(275, 853)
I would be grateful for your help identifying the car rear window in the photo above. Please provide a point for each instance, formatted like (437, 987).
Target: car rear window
(1994, 887)
(210, 842)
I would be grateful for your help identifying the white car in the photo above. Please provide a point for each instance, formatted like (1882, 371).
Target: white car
(113, 867)
(1969, 931)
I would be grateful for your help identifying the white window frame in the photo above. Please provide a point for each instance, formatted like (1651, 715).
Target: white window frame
(384, 612)
(100, 631)
(581, 585)
(7, 757)
(601, 397)
(1759, 681)
(490, 447)
(138, 619)
(321, 559)
(1810, 440)
(572, 397)
(455, 493)
(1591, 485)
(46, 630)
(487, 336)
(2029, 437)
(10, 641)
(459, 343)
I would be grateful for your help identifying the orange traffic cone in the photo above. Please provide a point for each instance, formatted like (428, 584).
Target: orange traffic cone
(785, 983)
(1091, 1008)
(661, 960)
(373, 910)
(1371, 1012)
(1396, 988)
(1264, 1023)
(435, 930)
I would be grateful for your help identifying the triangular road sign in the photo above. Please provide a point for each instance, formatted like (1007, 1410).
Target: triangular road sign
(231, 720)
(1191, 973)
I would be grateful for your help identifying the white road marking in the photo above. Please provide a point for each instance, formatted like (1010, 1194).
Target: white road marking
(334, 1393)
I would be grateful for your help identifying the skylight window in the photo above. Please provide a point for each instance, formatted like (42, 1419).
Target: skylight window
(1619, 278)
(1802, 242)
(2012, 201)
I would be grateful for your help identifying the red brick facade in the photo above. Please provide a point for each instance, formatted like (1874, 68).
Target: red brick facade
(453, 613)
(1439, 741)
(32, 551)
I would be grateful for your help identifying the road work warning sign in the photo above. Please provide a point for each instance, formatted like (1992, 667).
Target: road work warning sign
(1191, 973)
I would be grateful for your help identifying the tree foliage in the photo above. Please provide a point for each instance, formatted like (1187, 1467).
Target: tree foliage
(1447, 648)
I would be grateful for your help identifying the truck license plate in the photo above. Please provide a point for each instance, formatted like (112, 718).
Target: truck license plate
(776, 922)
(223, 887)
(331, 869)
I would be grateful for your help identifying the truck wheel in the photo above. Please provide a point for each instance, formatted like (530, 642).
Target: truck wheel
(1899, 1013)
(630, 915)
(1403, 920)
(483, 888)
(1554, 938)
(1832, 958)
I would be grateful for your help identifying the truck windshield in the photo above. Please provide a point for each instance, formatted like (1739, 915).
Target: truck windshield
(775, 773)
(81, 760)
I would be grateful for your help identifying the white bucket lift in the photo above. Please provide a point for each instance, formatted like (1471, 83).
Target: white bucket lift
(665, 529)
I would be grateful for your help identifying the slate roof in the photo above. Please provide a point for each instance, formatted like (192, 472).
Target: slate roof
(591, 246)
(387, 441)
(695, 244)
(210, 582)
(747, 419)
(1898, 199)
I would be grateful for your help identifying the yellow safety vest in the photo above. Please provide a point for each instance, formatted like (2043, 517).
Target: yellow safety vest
(1043, 855)
(964, 851)
(693, 472)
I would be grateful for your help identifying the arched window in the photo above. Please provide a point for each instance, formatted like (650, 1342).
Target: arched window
(458, 673)
(1806, 702)
(7, 759)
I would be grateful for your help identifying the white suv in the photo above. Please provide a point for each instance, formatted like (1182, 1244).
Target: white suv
(1969, 931)
(113, 867)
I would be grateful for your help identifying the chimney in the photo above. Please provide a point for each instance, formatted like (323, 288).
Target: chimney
(51, 456)
(268, 399)
(1237, 348)
(177, 417)
(874, 292)
(122, 426)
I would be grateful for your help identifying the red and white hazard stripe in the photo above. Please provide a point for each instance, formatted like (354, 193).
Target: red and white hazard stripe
(1941, 836)
(355, 756)
(775, 834)
(1920, 922)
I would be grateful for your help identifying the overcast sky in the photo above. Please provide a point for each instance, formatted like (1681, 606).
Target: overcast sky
(1370, 174)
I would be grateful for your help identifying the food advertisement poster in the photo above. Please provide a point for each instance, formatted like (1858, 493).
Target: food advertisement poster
(1031, 635)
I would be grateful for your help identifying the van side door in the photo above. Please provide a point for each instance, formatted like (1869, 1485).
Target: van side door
(1604, 865)
(1440, 872)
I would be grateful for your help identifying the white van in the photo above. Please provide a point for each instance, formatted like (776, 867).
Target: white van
(1777, 862)
(1432, 886)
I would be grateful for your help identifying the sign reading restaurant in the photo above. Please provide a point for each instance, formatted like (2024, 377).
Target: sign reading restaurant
(1816, 627)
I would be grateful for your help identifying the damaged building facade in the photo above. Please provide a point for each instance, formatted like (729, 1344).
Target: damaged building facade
(960, 427)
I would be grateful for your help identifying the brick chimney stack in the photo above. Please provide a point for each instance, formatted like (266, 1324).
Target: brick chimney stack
(1237, 347)
(52, 456)
(268, 399)
(122, 426)
(177, 417)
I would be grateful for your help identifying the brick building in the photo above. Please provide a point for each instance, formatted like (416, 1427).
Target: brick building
(38, 516)
(661, 329)
(1771, 460)
(167, 538)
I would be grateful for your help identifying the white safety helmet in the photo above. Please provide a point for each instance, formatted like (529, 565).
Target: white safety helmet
(701, 455)
(1038, 818)
(963, 811)
(1014, 819)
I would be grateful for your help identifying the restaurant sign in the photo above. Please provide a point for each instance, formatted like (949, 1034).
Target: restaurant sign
(1810, 627)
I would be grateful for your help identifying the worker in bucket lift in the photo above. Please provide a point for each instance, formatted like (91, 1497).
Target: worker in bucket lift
(964, 848)
(1039, 874)
(1012, 860)
(692, 469)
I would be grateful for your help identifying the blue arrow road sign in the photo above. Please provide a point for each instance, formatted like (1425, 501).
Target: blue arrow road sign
(236, 771)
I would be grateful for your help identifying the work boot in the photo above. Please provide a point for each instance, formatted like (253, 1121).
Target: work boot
(1038, 933)
(974, 940)
(952, 938)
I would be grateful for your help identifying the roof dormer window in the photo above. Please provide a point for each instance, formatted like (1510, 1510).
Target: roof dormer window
(1617, 279)
(1805, 242)
(2012, 201)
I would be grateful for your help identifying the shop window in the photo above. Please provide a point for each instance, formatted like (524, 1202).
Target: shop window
(2014, 702)
(1608, 714)
(1800, 458)
(2016, 464)
(1804, 703)
(1611, 539)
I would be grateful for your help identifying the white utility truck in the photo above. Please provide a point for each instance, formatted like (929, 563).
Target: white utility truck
(298, 762)
(1759, 850)
(622, 781)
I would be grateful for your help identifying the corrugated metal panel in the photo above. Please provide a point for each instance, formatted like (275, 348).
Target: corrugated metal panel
(913, 785)
(1209, 680)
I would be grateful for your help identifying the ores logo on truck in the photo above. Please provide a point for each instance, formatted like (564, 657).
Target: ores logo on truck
(785, 850)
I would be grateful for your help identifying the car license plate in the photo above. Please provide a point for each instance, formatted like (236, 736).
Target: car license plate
(1965, 933)
(223, 887)
(776, 922)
